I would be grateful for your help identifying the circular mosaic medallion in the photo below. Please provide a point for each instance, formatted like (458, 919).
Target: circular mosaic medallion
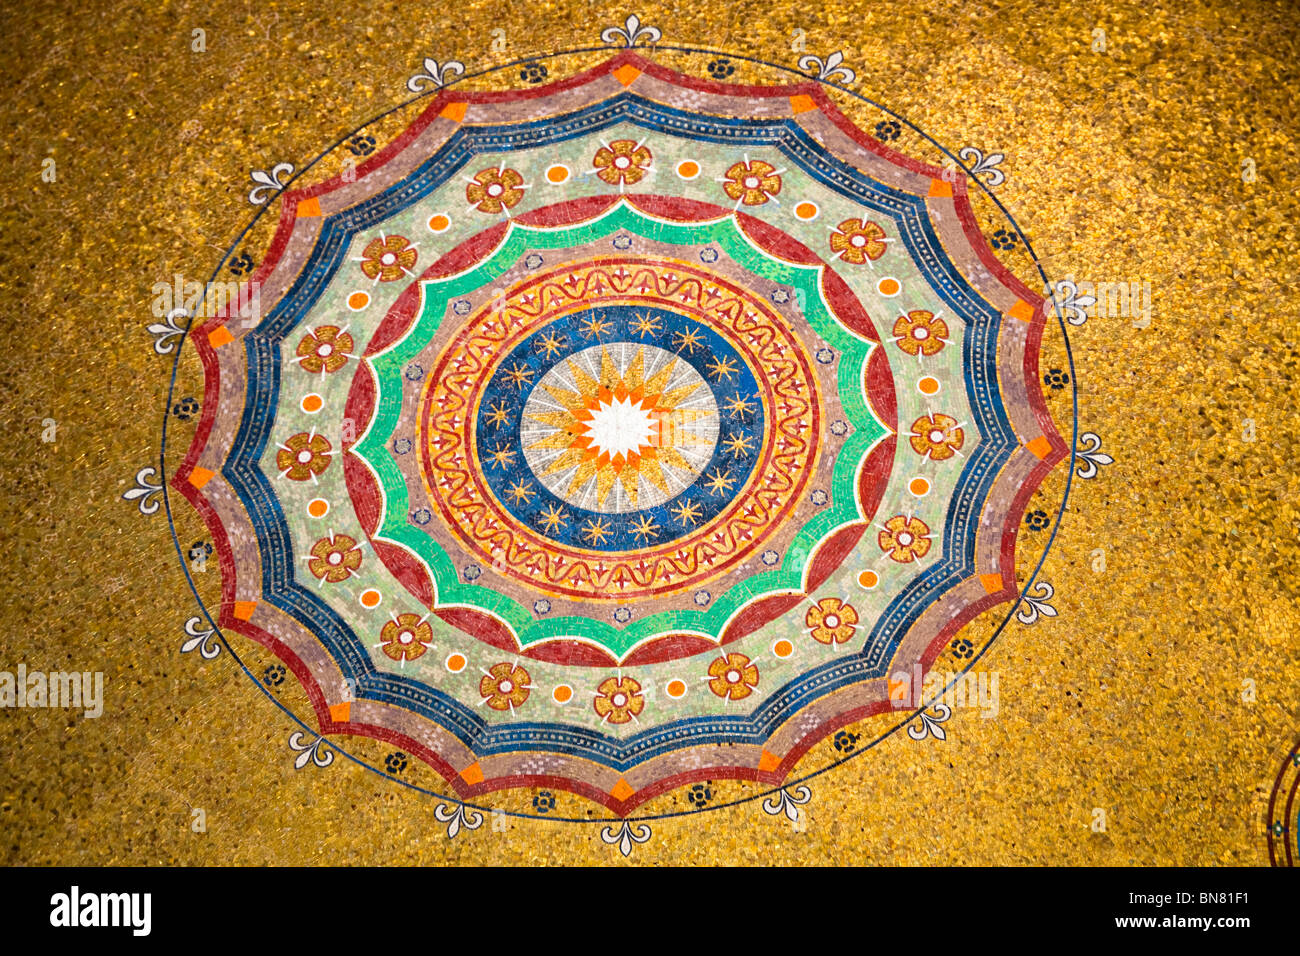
(619, 434)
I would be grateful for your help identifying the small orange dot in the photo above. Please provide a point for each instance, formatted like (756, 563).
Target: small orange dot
(676, 688)
(439, 222)
(688, 169)
(806, 210)
(783, 648)
(928, 385)
(312, 403)
(557, 174)
(318, 507)
(919, 487)
(562, 694)
(358, 301)
(889, 286)
(868, 579)
(370, 598)
(456, 663)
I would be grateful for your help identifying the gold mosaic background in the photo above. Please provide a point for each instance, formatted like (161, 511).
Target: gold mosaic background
(1123, 165)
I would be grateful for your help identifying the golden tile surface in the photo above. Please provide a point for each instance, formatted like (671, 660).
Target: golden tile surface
(1123, 165)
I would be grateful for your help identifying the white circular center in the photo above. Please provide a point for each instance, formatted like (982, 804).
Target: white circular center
(388, 258)
(751, 182)
(304, 456)
(733, 676)
(324, 350)
(936, 436)
(859, 241)
(622, 162)
(904, 539)
(920, 332)
(505, 687)
(831, 620)
(496, 189)
(406, 637)
(335, 558)
(619, 700)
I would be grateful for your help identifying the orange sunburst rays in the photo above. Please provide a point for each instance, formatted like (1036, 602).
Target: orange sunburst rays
(620, 427)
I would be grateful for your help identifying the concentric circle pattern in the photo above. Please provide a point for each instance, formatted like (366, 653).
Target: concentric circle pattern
(620, 433)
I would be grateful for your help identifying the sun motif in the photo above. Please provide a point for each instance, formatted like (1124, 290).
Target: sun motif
(619, 426)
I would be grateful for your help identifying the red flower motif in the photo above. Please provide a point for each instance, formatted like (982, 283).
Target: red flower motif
(858, 240)
(406, 637)
(505, 686)
(919, 332)
(303, 456)
(623, 161)
(937, 436)
(495, 189)
(325, 348)
(733, 676)
(388, 259)
(906, 539)
(753, 183)
(334, 558)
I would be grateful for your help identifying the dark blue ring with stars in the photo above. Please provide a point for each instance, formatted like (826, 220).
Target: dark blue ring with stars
(740, 426)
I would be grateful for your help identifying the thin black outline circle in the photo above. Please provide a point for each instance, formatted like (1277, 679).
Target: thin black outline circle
(616, 820)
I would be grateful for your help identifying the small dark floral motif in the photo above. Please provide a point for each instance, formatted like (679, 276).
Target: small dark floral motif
(533, 260)
(709, 255)
(542, 607)
(824, 356)
(721, 69)
(414, 372)
(274, 675)
(699, 795)
(200, 550)
(402, 446)
(1004, 239)
(845, 742)
(241, 264)
(533, 73)
(1056, 378)
(839, 429)
(186, 409)
(461, 306)
(887, 130)
(819, 497)
(421, 516)
(780, 296)
(622, 241)
(770, 557)
(702, 597)
(544, 801)
(395, 762)
(1037, 520)
(623, 614)
(962, 648)
(1277, 828)
(362, 145)
(472, 572)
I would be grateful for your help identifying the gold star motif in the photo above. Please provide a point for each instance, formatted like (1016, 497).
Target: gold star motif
(686, 512)
(596, 531)
(596, 326)
(689, 339)
(504, 457)
(738, 444)
(647, 324)
(738, 406)
(519, 375)
(550, 344)
(521, 493)
(722, 368)
(553, 518)
(645, 529)
(720, 482)
(500, 414)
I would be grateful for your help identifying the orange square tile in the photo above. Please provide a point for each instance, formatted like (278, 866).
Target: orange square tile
(1040, 447)
(992, 582)
(219, 337)
(622, 790)
(339, 713)
(309, 208)
(626, 73)
(1022, 310)
(940, 188)
(455, 111)
(472, 774)
(768, 761)
(244, 610)
(802, 104)
(200, 477)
